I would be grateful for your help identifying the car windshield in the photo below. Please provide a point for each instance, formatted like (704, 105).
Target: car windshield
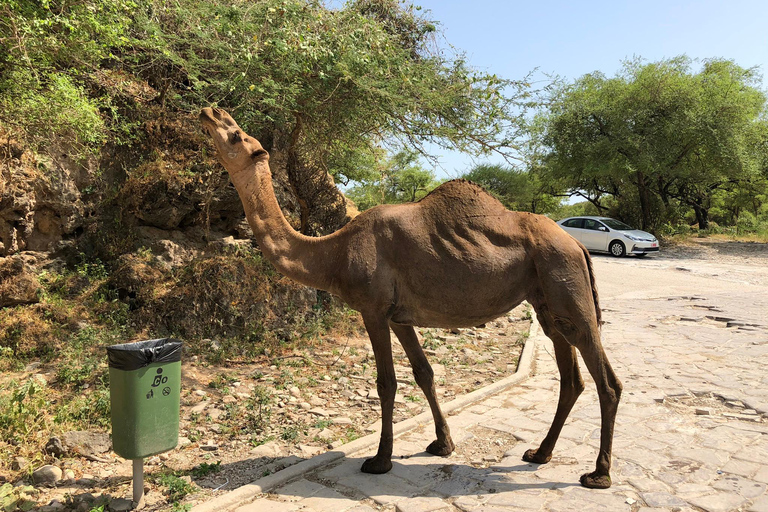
(614, 224)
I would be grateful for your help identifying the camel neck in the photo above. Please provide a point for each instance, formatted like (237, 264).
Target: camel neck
(304, 259)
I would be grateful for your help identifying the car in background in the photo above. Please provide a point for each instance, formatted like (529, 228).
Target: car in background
(603, 234)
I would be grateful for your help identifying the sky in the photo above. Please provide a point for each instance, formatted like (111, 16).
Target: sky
(571, 38)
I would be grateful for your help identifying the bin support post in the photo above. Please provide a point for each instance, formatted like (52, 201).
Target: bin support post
(138, 483)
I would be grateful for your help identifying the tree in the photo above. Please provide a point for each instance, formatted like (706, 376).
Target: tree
(326, 85)
(656, 133)
(517, 190)
(399, 179)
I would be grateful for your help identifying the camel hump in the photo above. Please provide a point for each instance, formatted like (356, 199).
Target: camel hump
(462, 196)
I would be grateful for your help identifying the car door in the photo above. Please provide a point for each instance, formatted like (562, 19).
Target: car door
(594, 236)
(573, 227)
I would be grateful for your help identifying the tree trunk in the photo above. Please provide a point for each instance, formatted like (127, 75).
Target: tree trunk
(702, 213)
(644, 195)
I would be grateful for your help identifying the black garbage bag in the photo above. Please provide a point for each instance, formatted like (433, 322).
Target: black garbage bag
(134, 356)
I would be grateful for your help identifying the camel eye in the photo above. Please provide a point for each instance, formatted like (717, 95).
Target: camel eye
(235, 137)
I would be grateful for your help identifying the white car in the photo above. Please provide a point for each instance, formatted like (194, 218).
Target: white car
(604, 234)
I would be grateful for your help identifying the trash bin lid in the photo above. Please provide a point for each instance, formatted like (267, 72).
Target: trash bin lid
(134, 356)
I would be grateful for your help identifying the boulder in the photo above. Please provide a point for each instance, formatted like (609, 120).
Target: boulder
(46, 475)
(18, 284)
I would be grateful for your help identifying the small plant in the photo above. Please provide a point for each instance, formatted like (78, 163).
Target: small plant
(290, 433)
(23, 410)
(205, 469)
(258, 411)
(177, 488)
(16, 498)
(412, 398)
(221, 382)
(321, 424)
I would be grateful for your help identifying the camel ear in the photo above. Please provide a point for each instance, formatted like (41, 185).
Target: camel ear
(256, 154)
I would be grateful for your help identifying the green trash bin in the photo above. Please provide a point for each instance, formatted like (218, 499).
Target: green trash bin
(145, 390)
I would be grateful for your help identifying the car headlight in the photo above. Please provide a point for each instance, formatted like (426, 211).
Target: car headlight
(634, 238)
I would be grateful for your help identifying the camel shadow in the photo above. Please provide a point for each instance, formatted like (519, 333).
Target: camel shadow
(420, 475)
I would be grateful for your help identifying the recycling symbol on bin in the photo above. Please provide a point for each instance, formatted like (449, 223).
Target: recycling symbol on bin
(159, 379)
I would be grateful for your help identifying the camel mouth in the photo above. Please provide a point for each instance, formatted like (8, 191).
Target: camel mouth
(206, 118)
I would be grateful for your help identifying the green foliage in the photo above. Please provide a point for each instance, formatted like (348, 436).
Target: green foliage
(398, 179)
(176, 488)
(330, 83)
(656, 136)
(23, 409)
(258, 410)
(51, 47)
(204, 469)
(517, 190)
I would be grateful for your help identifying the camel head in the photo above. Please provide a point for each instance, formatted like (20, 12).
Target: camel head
(235, 149)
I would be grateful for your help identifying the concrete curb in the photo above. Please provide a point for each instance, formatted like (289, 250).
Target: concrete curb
(248, 492)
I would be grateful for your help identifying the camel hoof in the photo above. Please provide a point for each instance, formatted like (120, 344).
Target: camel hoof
(595, 481)
(534, 457)
(438, 447)
(376, 466)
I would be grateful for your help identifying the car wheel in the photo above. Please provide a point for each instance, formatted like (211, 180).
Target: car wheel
(617, 249)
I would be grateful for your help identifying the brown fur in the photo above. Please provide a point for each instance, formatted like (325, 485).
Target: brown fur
(457, 258)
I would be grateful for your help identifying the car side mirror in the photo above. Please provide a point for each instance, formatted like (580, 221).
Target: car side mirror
(603, 228)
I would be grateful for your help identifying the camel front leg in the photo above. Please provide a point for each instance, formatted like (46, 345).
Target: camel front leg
(386, 385)
(425, 378)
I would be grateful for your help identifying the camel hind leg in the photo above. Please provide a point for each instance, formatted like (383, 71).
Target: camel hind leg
(571, 386)
(570, 314)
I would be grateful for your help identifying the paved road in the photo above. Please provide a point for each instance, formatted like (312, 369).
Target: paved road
(688, 338)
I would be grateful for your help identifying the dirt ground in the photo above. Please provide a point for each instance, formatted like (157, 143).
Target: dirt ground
(240, 422)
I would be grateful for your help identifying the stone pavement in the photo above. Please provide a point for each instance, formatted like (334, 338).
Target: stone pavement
(691, 349)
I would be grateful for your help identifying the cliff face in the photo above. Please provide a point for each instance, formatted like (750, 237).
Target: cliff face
(162, 224)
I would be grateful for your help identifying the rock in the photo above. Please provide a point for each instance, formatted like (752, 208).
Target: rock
(68, 476)
(336, 444)
(319, 412)
(294, 391)
(53, 506)
(326, 433)
(270, 449)
(210, 447)
(343, 381)
(342, 421)
(200, 392)
(46, 475)
(18, 284)
(120, 505)
(215, 414)
(55, 447)
(316, 401)
(305, 405)
(199, 408)
(309, 451)
(86, 442)
(19, 464)
(184, 442)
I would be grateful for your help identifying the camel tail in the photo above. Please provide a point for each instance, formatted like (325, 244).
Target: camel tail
(593, 284)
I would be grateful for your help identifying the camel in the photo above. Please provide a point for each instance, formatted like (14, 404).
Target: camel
(456, 258)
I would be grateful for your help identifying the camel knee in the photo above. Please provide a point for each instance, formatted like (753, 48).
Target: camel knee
(424, 376)
(386, 389)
